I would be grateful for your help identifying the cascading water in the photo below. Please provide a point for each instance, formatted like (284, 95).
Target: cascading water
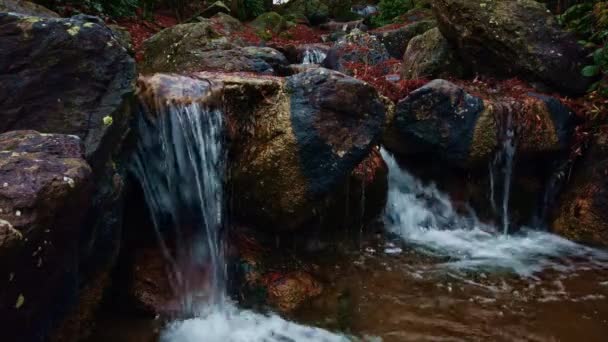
(425, 218)
(180, 161)
(313, 56)
(501, 167)
(180, 165)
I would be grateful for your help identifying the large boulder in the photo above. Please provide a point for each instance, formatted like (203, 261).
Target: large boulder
(446, 121)
(44, 195)
(27, 8)
(356, 48)
(65, 76)
(513, 38)
(582, 212)
(73, 76)
(396, 40)
(200, 47)
(428, 56)
(294, 143)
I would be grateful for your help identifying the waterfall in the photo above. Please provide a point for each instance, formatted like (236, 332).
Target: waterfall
(424, 218)
(501, 167)
(179, 163)
(313, 56)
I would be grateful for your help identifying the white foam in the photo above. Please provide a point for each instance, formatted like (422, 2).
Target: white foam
(424, 217)
(230, 324)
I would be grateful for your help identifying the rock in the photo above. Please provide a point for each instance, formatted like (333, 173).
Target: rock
(582, 214)
(293, 143)
(315, 11)
(287, 292)
(44, 195)
(356, 47)
(150, 289)
(429, 55)
(199, 47)
(72, 76)
(215, 8)
(298, 68)
(26, 8)
(444, 120)
(124, 37)
(270, 22)
(396, 40)
(226, 24)
(513, 38)
(65, 76)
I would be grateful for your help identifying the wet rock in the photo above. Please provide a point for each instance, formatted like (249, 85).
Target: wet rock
(396, 40)
(429, 56)
(215, 8)
(287, 292)
(26, 8)
(150, 288)
(329, 122)
(44, 196)
(513, 38)
(65, 76)
(293, 143)
(582, 214)
(298, 68)
(445, 120)
(200, 47)
(357, 47)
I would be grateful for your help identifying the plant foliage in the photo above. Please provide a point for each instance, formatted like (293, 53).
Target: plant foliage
(391, 9)
(590, 21)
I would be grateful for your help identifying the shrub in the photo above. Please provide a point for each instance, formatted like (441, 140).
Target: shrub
(391, 9)
(590, 21)
(247, 9)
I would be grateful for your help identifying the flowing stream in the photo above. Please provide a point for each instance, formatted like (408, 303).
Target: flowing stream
(432, 272)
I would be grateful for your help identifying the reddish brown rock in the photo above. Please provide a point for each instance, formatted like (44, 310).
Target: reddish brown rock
(44, 195)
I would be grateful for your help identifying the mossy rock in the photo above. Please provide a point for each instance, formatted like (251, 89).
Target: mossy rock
(270, 22)
(428, 56)
(315, 11)
(582, 213)
(396, 40)
(510, 38)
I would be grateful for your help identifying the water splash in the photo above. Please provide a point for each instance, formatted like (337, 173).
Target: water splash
(231, 324)
(425, 218)
(313, 56)
(179, 162)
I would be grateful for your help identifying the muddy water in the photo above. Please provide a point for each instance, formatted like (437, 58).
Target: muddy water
(411, 296)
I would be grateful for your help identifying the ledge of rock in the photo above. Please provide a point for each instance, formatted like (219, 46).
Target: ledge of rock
(293, 142)
(444, 120)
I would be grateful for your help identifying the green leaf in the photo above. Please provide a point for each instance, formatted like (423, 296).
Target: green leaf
(591, 70)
